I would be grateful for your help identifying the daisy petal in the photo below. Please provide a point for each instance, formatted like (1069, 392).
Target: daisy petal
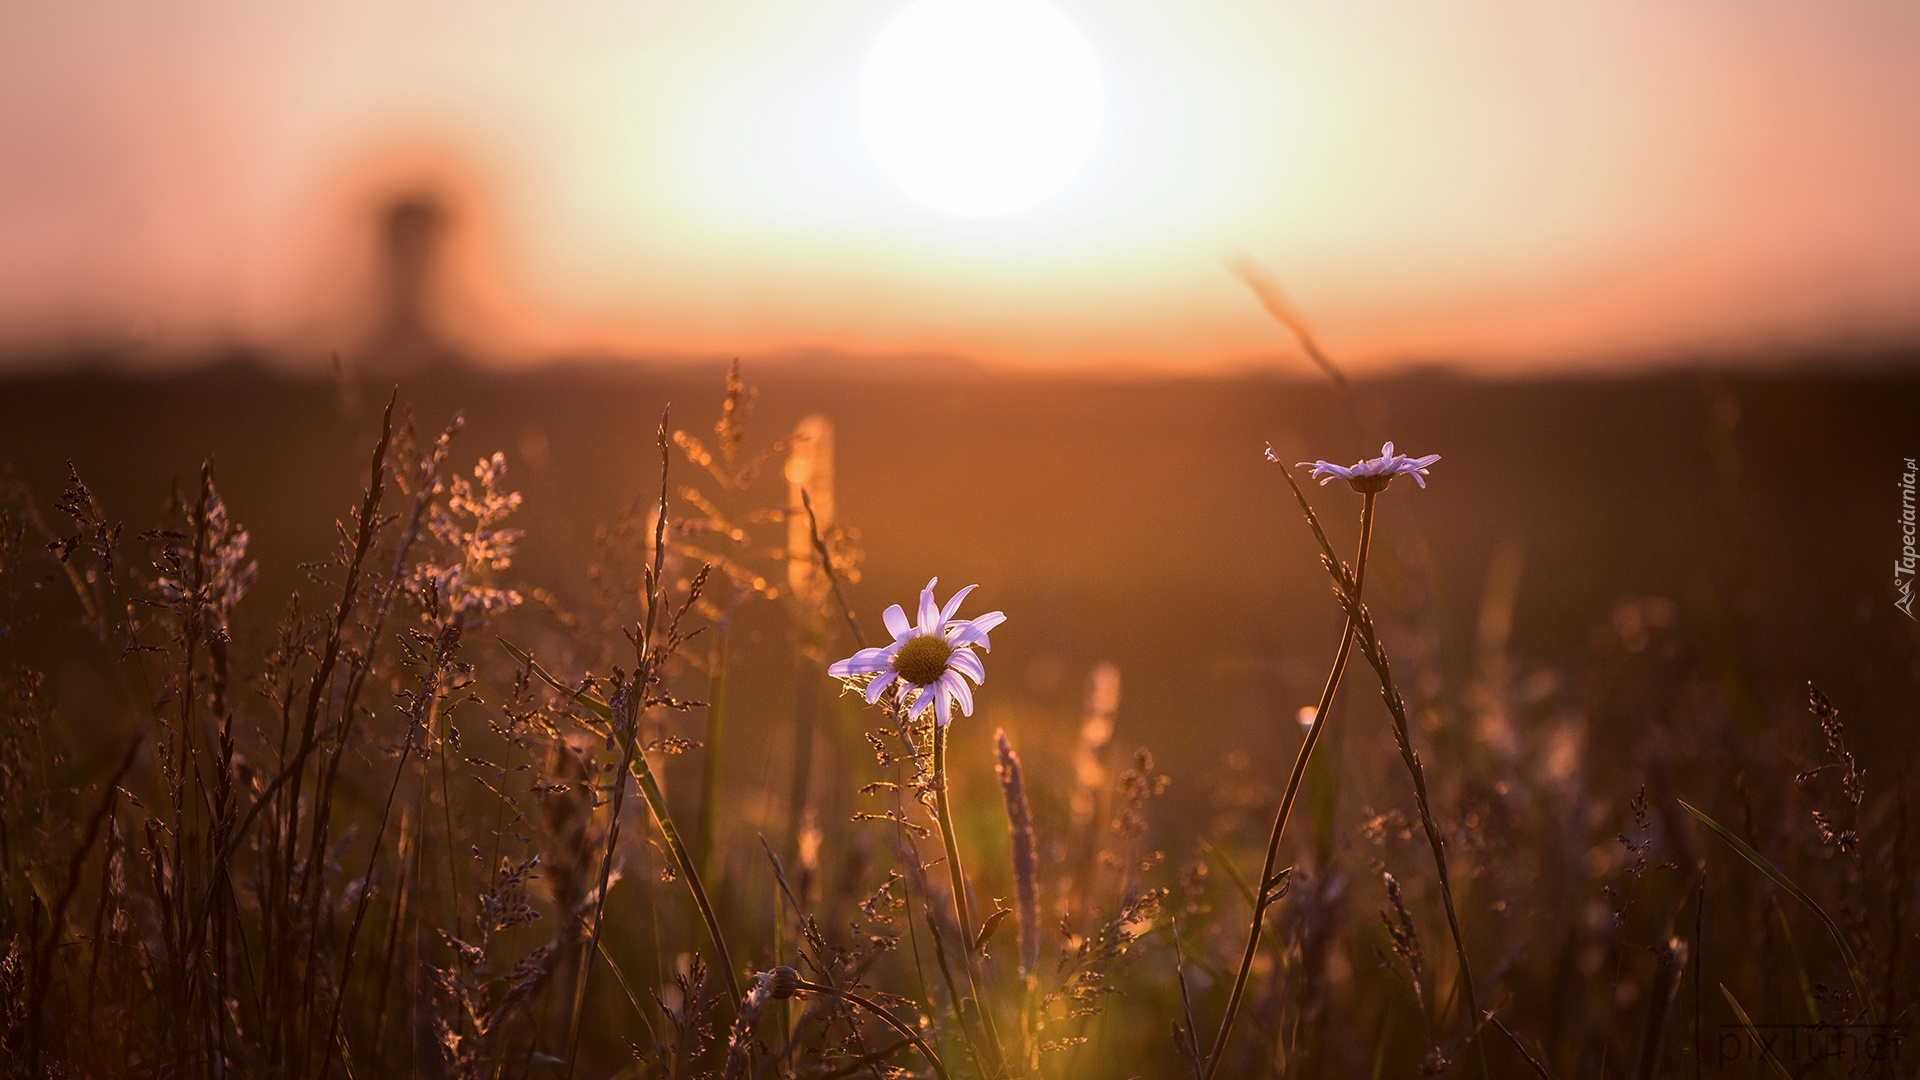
(964, 662)
(864, 662)
(958, 688)
(929, 611)
(953, 605)
(956, 678)
(1373, 474)
(896, 621)
(990, 621)
(974, 631)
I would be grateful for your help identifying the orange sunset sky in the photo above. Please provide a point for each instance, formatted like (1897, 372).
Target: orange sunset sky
(1503, 184)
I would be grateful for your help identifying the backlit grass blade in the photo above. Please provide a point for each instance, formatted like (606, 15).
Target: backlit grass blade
(593, 704)
(1758, 1043)
(650, 790)
(1761, 863)
(1240, 879)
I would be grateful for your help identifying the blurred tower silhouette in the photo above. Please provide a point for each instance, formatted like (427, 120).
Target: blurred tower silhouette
(412, 231)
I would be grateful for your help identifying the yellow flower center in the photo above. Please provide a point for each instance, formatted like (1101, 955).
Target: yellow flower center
(923, 660)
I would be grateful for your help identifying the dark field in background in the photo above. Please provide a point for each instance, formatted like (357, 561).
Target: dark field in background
(1136, 521)
(1628, 556)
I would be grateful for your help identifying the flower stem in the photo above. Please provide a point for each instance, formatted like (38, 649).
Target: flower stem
(961, 908)
(958, 880)
(1265, 894)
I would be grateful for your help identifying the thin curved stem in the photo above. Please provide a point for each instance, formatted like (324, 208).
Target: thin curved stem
(833, 574)
(622, 714)
(962, 910)
(1265, 894)
(886, 1017)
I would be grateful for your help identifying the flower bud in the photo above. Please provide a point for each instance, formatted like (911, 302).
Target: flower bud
(782, 982)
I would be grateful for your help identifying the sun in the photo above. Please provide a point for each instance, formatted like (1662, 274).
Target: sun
(981, 108)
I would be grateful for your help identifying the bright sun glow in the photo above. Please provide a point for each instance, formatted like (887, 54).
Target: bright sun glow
(980, 108)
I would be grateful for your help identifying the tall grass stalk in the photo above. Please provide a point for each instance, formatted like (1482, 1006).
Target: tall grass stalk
(43, 963)
(1271, 885)
(426, 484)
(833, 574)
(343, 844)
(1360, 623)
(1026, 890)
(1765, 866)
(445, 644)
(612, 714)
(623, 712)
(1371, 648)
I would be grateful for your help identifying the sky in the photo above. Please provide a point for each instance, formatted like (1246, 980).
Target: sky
(1502, 185)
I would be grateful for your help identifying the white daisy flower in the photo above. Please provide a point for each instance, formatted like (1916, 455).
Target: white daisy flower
(1374, 474)
(931, 662)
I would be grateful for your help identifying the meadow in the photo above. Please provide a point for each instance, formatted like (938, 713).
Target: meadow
(485, 727)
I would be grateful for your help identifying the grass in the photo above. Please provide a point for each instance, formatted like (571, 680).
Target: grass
(390, 831)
